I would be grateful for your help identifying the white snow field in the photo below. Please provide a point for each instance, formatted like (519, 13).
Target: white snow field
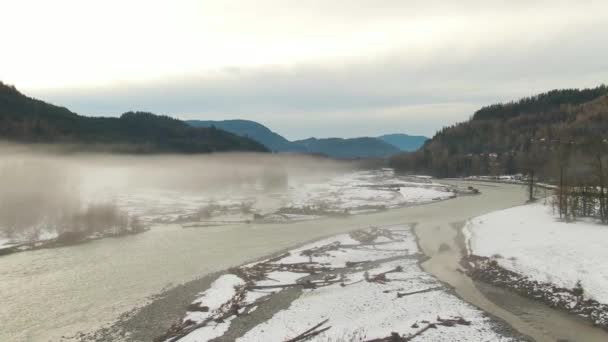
(368, 285)
(351, 193)
(531, 241)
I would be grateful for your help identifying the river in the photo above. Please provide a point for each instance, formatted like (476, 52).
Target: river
(50, 293)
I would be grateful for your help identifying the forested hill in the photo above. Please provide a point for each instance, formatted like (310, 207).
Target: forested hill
(254, 130)
(404, 142)
(352, 148)
(504, 138)
(28, 120)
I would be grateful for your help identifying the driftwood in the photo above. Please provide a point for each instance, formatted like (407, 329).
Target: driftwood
(404, 294)
(309, 284)
(350, 264)
(321, 250)
(237, 306)
(253, 274)
(449, 322)
(369, 237)
(310, 333)
(381, 278)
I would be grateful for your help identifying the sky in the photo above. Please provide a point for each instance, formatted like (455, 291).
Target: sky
(302, 67)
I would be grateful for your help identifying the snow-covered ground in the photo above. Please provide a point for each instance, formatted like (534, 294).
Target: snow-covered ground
(302, 199)
(44, 234)
(509, 179)
(359, 286)
(358, 191)
(5, 243)
(351, 193)
(530, 241)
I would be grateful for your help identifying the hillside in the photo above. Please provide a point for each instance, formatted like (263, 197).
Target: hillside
(404, 142)
(511, 137)
(28, 120)
(253, 130)
(332, 147)
(349, 148)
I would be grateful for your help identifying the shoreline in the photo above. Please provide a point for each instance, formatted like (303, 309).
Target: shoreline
(526, 300)
(59, 242)
(181, 296)
(286, 298)
(487, 270)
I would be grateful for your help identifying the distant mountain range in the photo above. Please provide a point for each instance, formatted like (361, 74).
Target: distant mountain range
(404, 142)
(349, 148)
(364, 147)
(28, 120)
(253, 130)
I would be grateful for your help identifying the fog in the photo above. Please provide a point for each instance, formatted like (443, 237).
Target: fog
(47, 192)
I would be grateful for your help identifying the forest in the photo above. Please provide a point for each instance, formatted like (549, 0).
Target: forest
(27, 120)
(559, 137)
(509, 138)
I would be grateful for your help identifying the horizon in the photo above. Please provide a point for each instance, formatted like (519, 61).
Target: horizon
(314, 69)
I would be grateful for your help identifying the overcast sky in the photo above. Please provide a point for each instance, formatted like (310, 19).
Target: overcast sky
(302, 67)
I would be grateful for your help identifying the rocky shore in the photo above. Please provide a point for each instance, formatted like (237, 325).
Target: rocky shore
(572, 300)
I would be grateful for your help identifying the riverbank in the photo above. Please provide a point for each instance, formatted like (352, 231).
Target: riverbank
(64, 240)
(353, 193)
(362, 286)
(528, 250)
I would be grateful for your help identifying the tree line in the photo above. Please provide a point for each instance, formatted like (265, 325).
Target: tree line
(28, 120)
(558, 137)
(503, 139)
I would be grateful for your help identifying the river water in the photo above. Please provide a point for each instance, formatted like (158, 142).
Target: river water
(50, 293)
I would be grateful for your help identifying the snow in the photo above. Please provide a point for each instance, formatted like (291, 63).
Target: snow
(530, 240)
(221, 291)
(510, 179)
(42, 234)
(358, 190)
(6, 243)
(354, 306)
(303, 199)
(365, 308)
(421, 195)
(339, 257)
(207, 333)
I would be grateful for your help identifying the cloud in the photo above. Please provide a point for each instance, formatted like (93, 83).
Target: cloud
(327, 68)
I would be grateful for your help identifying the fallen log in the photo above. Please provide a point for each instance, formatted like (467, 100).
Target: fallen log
(306, 284)
(381, 277)
(403, 294)
(312, 332)
(396, 337)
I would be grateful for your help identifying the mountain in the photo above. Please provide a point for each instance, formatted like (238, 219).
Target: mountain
(404, 142)
(253, 130)
(532, 133)
(28, 120)
(349, 148)
(332, 147)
